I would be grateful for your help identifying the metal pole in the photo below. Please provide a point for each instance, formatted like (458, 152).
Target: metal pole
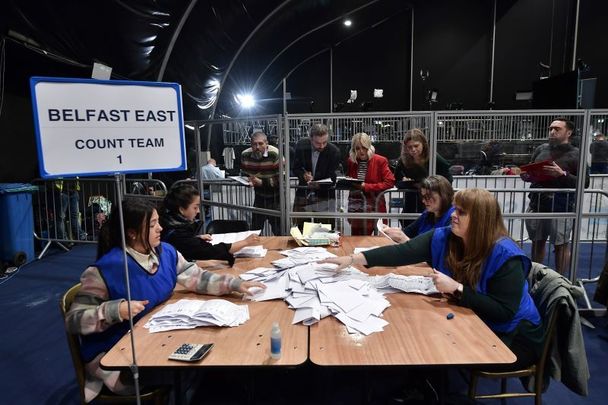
(286, 207)
(580, 193)
(199, 166)
(331, 79)
(283, 175)
(578, 4)
(284, 96)
(493, 50)
(412, 64)
(133, 366)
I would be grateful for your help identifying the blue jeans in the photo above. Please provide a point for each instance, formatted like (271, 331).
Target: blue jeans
(69, 206)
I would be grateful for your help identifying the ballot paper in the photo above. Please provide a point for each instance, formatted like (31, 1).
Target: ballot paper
(410, 284)
(251, 251)
(315, 291)
(380, 227)
(363, 249)
(188, 314)
(232, 236)
(314, 234)
(241, 179)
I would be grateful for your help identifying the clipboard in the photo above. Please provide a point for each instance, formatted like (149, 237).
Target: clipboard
(534, 172)
(347, 183)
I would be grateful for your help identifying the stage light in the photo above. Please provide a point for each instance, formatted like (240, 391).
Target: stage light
(353, 97)
(245, 100)
(348, 22)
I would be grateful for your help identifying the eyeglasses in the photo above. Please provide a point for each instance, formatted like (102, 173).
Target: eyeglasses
(427, 196)
(460, 212)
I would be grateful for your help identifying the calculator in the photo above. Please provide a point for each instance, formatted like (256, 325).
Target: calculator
(191, 352)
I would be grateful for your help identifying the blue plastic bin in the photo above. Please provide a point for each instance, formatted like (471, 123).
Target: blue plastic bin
(16, 223)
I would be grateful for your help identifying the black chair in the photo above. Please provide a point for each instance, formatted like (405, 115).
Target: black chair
(157, 395)
(226, 226)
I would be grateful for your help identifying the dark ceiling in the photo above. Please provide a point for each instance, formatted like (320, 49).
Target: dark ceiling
(214, 49)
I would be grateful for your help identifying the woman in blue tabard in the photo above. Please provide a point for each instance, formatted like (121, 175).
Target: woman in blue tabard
(478, 265)
(100, 312)
(436, 193)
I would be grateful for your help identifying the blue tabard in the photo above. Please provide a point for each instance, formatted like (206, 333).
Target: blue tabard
(426, 225)
(155, 288)
(503, 250)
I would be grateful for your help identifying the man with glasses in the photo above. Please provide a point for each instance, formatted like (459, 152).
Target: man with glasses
(560, 171)
(315, 159)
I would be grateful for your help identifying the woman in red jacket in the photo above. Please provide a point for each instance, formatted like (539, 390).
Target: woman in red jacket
(364, 164)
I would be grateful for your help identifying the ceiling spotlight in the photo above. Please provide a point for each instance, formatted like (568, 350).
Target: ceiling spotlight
(348, 22)
(245, 100)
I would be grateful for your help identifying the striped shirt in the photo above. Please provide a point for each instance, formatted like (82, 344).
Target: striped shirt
(93, 312)
(362, 169)
(265, 168)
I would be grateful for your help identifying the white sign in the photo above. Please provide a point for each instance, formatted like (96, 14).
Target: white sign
(93, 127)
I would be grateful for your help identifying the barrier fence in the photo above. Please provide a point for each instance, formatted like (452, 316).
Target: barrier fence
(458, 136)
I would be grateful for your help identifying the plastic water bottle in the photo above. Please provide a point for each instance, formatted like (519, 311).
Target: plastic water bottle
(275, 341)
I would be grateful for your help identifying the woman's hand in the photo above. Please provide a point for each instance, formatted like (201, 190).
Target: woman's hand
(345, 261)
(246, 285)
(251, 239)
(136, 308)
(396, 234)
(206, 237)
(444, 284)
(248, 241)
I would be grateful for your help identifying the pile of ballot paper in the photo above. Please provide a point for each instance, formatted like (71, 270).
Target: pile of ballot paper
(251, 251)
(315, 290)
(188, 314)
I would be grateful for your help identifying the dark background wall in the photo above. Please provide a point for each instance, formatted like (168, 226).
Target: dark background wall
(452, 40)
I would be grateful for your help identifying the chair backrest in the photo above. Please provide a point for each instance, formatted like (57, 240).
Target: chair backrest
(73, 340)
(227, 226)
(550, 326)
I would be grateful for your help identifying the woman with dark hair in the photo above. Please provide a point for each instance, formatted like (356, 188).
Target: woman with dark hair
(476, 264)
(100, 312)
(366, 165)
(181, 207)
(413, 166)
(436, 193)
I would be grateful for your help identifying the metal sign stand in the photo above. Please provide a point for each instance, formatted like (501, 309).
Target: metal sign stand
(133, 367)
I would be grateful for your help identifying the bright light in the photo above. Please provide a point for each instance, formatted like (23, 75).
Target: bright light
(348, 23)
(245, 100)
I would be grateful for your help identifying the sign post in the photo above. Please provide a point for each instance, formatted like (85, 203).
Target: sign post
(88, 127)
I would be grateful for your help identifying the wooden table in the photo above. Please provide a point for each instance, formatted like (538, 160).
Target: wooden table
(245, 345)
(418, 332)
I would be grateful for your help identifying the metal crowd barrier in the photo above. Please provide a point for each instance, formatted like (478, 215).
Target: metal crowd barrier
(228, 199)
(70, 211)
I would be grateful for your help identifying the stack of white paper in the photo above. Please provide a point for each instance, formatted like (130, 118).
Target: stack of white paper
(188, 314)
(410, 284)
(251, 251)
(232, 236)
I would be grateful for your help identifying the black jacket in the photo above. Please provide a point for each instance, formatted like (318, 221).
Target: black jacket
(328, 162)
(181, 233)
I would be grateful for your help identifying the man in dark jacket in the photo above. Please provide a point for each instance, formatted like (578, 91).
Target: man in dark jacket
(316, 159)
